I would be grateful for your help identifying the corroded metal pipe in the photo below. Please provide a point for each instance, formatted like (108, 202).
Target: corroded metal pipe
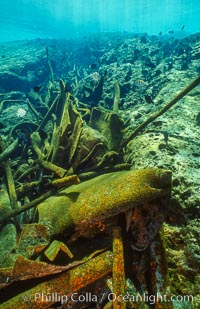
(103, 197)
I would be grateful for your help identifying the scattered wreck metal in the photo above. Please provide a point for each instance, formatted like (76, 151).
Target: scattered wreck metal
(74, 217)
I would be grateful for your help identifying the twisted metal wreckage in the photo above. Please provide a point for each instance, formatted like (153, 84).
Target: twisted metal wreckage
(75, 219)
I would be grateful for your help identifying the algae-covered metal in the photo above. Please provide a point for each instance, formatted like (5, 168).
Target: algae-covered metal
(102, 197)
(60, 288)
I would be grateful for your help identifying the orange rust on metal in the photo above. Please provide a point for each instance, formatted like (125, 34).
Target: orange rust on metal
(118, 270)
(45, 294)
(102, 197)
(25, 269)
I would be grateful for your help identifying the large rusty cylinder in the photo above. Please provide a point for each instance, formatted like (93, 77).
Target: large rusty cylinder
(103, 197)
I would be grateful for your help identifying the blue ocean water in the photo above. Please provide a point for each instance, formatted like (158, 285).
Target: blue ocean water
(28, 19)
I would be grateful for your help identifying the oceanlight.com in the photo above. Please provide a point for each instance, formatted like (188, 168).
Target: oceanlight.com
(90, 297)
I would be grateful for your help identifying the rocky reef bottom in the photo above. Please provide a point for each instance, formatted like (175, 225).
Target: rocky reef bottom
(100, 175)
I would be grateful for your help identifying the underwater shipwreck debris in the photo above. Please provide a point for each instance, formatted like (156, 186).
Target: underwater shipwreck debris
(74, 145)
(78, 206)
(118, 272)
(73, 204)
(68, 282)
(116, 97)
(8, 233)
(5, 216)
(7, 150)
(8, 172)
(55, 247)
(70, 148)
(66, 181)
(3, 103)
(143, 125)
(36, 141)
(109, 124)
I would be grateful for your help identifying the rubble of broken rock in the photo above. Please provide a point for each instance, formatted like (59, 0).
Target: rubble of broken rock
(67, 108)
